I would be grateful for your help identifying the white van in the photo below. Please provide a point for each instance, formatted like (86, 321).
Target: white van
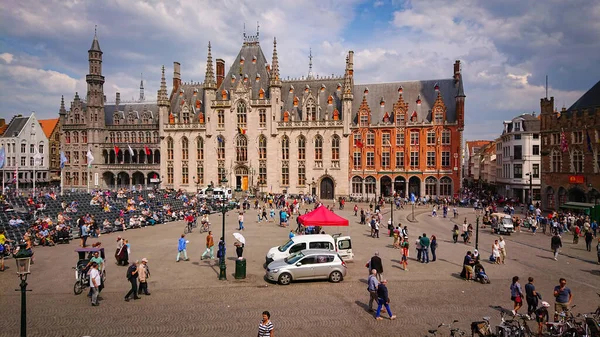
(341, 244)
(502, 223)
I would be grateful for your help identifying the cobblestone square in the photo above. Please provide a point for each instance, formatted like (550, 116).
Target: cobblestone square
(188, 299)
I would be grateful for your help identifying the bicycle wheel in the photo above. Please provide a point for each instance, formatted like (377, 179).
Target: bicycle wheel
(78, 287)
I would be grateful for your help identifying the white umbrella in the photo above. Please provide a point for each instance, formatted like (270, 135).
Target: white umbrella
(240, 238)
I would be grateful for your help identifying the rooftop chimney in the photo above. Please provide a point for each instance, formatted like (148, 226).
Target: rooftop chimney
(456, 69)
(118, 99)
(176, 75)
(220, 71)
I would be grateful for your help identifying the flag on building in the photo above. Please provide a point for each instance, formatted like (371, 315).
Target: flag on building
(564, 144)
(130, 150)
(90, 158)
(147, 150)
(220, 139)
(358, 144)
(2, 157)
(63, 160)
(117, 150)
(242, 131)
(589, 140)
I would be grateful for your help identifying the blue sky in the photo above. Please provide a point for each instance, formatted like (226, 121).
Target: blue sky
(506, 47)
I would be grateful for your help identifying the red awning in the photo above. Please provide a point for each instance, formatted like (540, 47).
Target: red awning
(322, 217)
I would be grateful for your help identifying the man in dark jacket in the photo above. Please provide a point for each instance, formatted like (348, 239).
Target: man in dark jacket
(383, 300)
(555, 245)
(376, 264)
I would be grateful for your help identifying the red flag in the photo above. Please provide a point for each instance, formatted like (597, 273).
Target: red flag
(155, 176)
(358, 143)
(147, 150)
(117, 150)
(242, 131)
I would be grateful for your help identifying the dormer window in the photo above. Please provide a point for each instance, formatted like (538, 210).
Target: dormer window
(364, 120)
(439, 117)
(311, 111)
(517, 126)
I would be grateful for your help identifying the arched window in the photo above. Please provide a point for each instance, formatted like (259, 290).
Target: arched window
(185, 115)
(241, 150)
(550, 203)
(241, 115)
(155, 137)
(184, 149)
(439, 116)
(556, 161)
(169, 148)
(119, 139)
(130, 118)
(262, 147)
(75, 137)
(370, 185)
(67, 137)
(335, 147)
(116, 118)
(220, 119)
(446, 186)
(112, 137)
(285, 148)
(357, 185)
(220, 149)
(431, 186)
(311, 110)
(148, 137)
(199, 148)
(577, 161)
(140, 137)
(318, 147)
(126, 137)
(301, 148)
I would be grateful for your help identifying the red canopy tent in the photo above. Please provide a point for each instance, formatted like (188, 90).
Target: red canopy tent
(322, 217)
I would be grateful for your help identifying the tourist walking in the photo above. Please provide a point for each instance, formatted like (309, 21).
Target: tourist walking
(516, 295)
(455, 233)
(598, 250)
(589, 237)
(182, 248)
(383, 300)
(372, 284)
(375, 263)
(555, 245)
(531, 296)
(132, 278)
(210, 247)
(563, 297)
(95, 282)
(433, 247)
(404, 246)
(419, 248)
(425, 248)
(143, 275)
(496, 252)
(241, 221)
(265, 327)
(502, 246)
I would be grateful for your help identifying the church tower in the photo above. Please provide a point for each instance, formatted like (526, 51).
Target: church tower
(95, 90)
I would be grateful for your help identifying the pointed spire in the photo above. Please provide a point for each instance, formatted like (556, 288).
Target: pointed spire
(142, 98)
(62, 110)
(163, 98)
(95, 43)
(310, 73)
(209, 76)
(349, 77)
(275, 81)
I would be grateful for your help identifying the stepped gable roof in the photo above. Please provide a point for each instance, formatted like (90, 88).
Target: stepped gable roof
(448, 88)
(135, 108)
(319, 91)
(15, 126)
(254, 63)
(589, 100)
(48, 125)
(186, 95)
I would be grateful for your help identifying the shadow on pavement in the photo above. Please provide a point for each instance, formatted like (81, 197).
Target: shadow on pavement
(593, 272)
(364, 306)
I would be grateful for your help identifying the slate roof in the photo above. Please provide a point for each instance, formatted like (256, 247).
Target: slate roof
(134, 108)
(15, 126)
(254, 64)
(591, 99)
(48, 126)
(95, 45)
(449, 90)
(530, 123)
(472, 144)
(318, 90)
(189, 93)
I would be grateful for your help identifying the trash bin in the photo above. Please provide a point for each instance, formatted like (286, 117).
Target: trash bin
(240, 269)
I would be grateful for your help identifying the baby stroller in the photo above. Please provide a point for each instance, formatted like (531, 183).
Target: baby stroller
(480, 274)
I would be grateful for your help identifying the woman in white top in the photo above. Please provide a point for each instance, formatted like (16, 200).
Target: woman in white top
(496, 252)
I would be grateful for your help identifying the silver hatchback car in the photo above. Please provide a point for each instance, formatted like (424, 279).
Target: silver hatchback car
(308, 264)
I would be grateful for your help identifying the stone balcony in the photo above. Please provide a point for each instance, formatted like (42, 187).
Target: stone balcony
(310, 124)
(185, 126)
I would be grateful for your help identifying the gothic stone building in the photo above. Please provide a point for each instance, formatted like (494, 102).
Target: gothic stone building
(407, 136)
(573, 174)
(262, 133)
(108, 131)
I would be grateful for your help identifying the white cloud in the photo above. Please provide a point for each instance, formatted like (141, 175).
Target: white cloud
(6, 57)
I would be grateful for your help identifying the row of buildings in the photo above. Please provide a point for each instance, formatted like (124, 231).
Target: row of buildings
(323, 135)
(552, 158)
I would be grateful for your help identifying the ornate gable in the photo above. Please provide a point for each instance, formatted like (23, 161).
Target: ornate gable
(364, 112)
(438, 111)
(400, 109)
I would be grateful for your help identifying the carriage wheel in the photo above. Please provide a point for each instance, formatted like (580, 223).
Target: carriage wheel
(78, 287)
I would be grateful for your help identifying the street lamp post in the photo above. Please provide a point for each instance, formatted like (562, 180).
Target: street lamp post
(23, 261)
(477, 233)
(222, 265)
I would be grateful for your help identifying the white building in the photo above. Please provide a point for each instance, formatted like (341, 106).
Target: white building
(26, 152)
(518, 158)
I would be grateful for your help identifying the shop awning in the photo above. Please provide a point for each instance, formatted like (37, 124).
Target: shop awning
(577, 205)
